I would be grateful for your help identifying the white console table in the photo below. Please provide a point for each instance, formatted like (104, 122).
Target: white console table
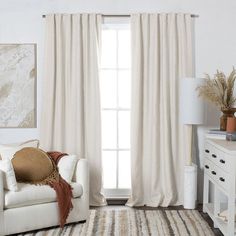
(220, 171)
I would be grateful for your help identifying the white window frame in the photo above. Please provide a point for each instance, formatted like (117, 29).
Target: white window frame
(116, 193)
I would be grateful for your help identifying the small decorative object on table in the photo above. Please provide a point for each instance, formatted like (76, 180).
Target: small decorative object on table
(231, 129)
(216, 134)
(219, 91)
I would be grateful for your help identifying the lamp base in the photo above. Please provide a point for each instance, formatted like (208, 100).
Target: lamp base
(190, 186)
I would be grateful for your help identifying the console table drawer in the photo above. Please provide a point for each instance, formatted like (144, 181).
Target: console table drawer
(223, 179)
(218, 157)
(216, 174)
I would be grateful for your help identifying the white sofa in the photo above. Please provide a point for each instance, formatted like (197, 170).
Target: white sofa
(35, 207)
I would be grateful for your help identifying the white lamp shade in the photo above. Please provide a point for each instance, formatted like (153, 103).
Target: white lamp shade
(191, 105)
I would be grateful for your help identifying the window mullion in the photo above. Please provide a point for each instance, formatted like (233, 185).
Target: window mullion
(116, 109)
(117, 113)
(116, 149)
(115, 68)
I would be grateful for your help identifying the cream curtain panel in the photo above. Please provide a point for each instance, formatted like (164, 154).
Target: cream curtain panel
(162, 53)
(71, 100)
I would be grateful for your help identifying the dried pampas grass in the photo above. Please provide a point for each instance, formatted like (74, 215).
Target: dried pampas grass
(219, 90)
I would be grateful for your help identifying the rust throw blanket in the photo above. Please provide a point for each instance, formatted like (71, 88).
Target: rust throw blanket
(63, 190)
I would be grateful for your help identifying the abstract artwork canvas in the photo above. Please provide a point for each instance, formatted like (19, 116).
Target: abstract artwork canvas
(17, 85)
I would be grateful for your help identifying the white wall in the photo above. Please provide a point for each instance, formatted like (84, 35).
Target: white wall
(21, 21)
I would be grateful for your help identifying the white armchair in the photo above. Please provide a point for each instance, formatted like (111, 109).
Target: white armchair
(35, 207)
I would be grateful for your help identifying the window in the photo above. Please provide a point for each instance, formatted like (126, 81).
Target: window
(115, 85)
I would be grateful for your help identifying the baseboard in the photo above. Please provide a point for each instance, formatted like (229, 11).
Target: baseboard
(116, 201)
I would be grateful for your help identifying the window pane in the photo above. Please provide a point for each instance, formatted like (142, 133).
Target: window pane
(109, 169)
(109, 43)
(124, 169)
(124, 83)
(124, 50)
(124, 129)
(109, 130)
(108, 88)
(115, 71)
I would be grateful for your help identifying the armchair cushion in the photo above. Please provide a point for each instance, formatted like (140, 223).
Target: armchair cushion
(66, 167)
(35, 194)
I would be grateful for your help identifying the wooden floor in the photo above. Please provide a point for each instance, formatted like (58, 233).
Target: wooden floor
(121, 205)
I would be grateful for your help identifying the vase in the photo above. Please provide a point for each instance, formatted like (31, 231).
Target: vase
(223, 119)
(231, 125)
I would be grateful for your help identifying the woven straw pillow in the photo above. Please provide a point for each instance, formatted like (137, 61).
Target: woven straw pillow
(32, 165)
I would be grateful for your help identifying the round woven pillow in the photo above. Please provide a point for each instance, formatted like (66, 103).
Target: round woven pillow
(32, 165)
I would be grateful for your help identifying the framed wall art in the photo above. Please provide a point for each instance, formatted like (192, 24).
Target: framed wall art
(18, 72)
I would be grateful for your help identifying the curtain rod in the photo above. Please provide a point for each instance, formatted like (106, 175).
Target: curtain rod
(128, 15)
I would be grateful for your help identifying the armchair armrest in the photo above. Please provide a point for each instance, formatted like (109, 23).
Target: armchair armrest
(1, 192)
(82, 177)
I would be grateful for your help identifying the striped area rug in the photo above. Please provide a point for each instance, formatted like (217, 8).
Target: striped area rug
(133, 222)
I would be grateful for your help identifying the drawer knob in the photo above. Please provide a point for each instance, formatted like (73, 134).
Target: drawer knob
(222, 161)
(222, 179)
(213, 155)
(213, 172)
(206, 166)
(207, 151)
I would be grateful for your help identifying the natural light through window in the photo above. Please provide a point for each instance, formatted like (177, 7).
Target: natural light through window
(115, 81)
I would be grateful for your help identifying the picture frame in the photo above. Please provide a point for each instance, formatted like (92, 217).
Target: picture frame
(18, 85)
